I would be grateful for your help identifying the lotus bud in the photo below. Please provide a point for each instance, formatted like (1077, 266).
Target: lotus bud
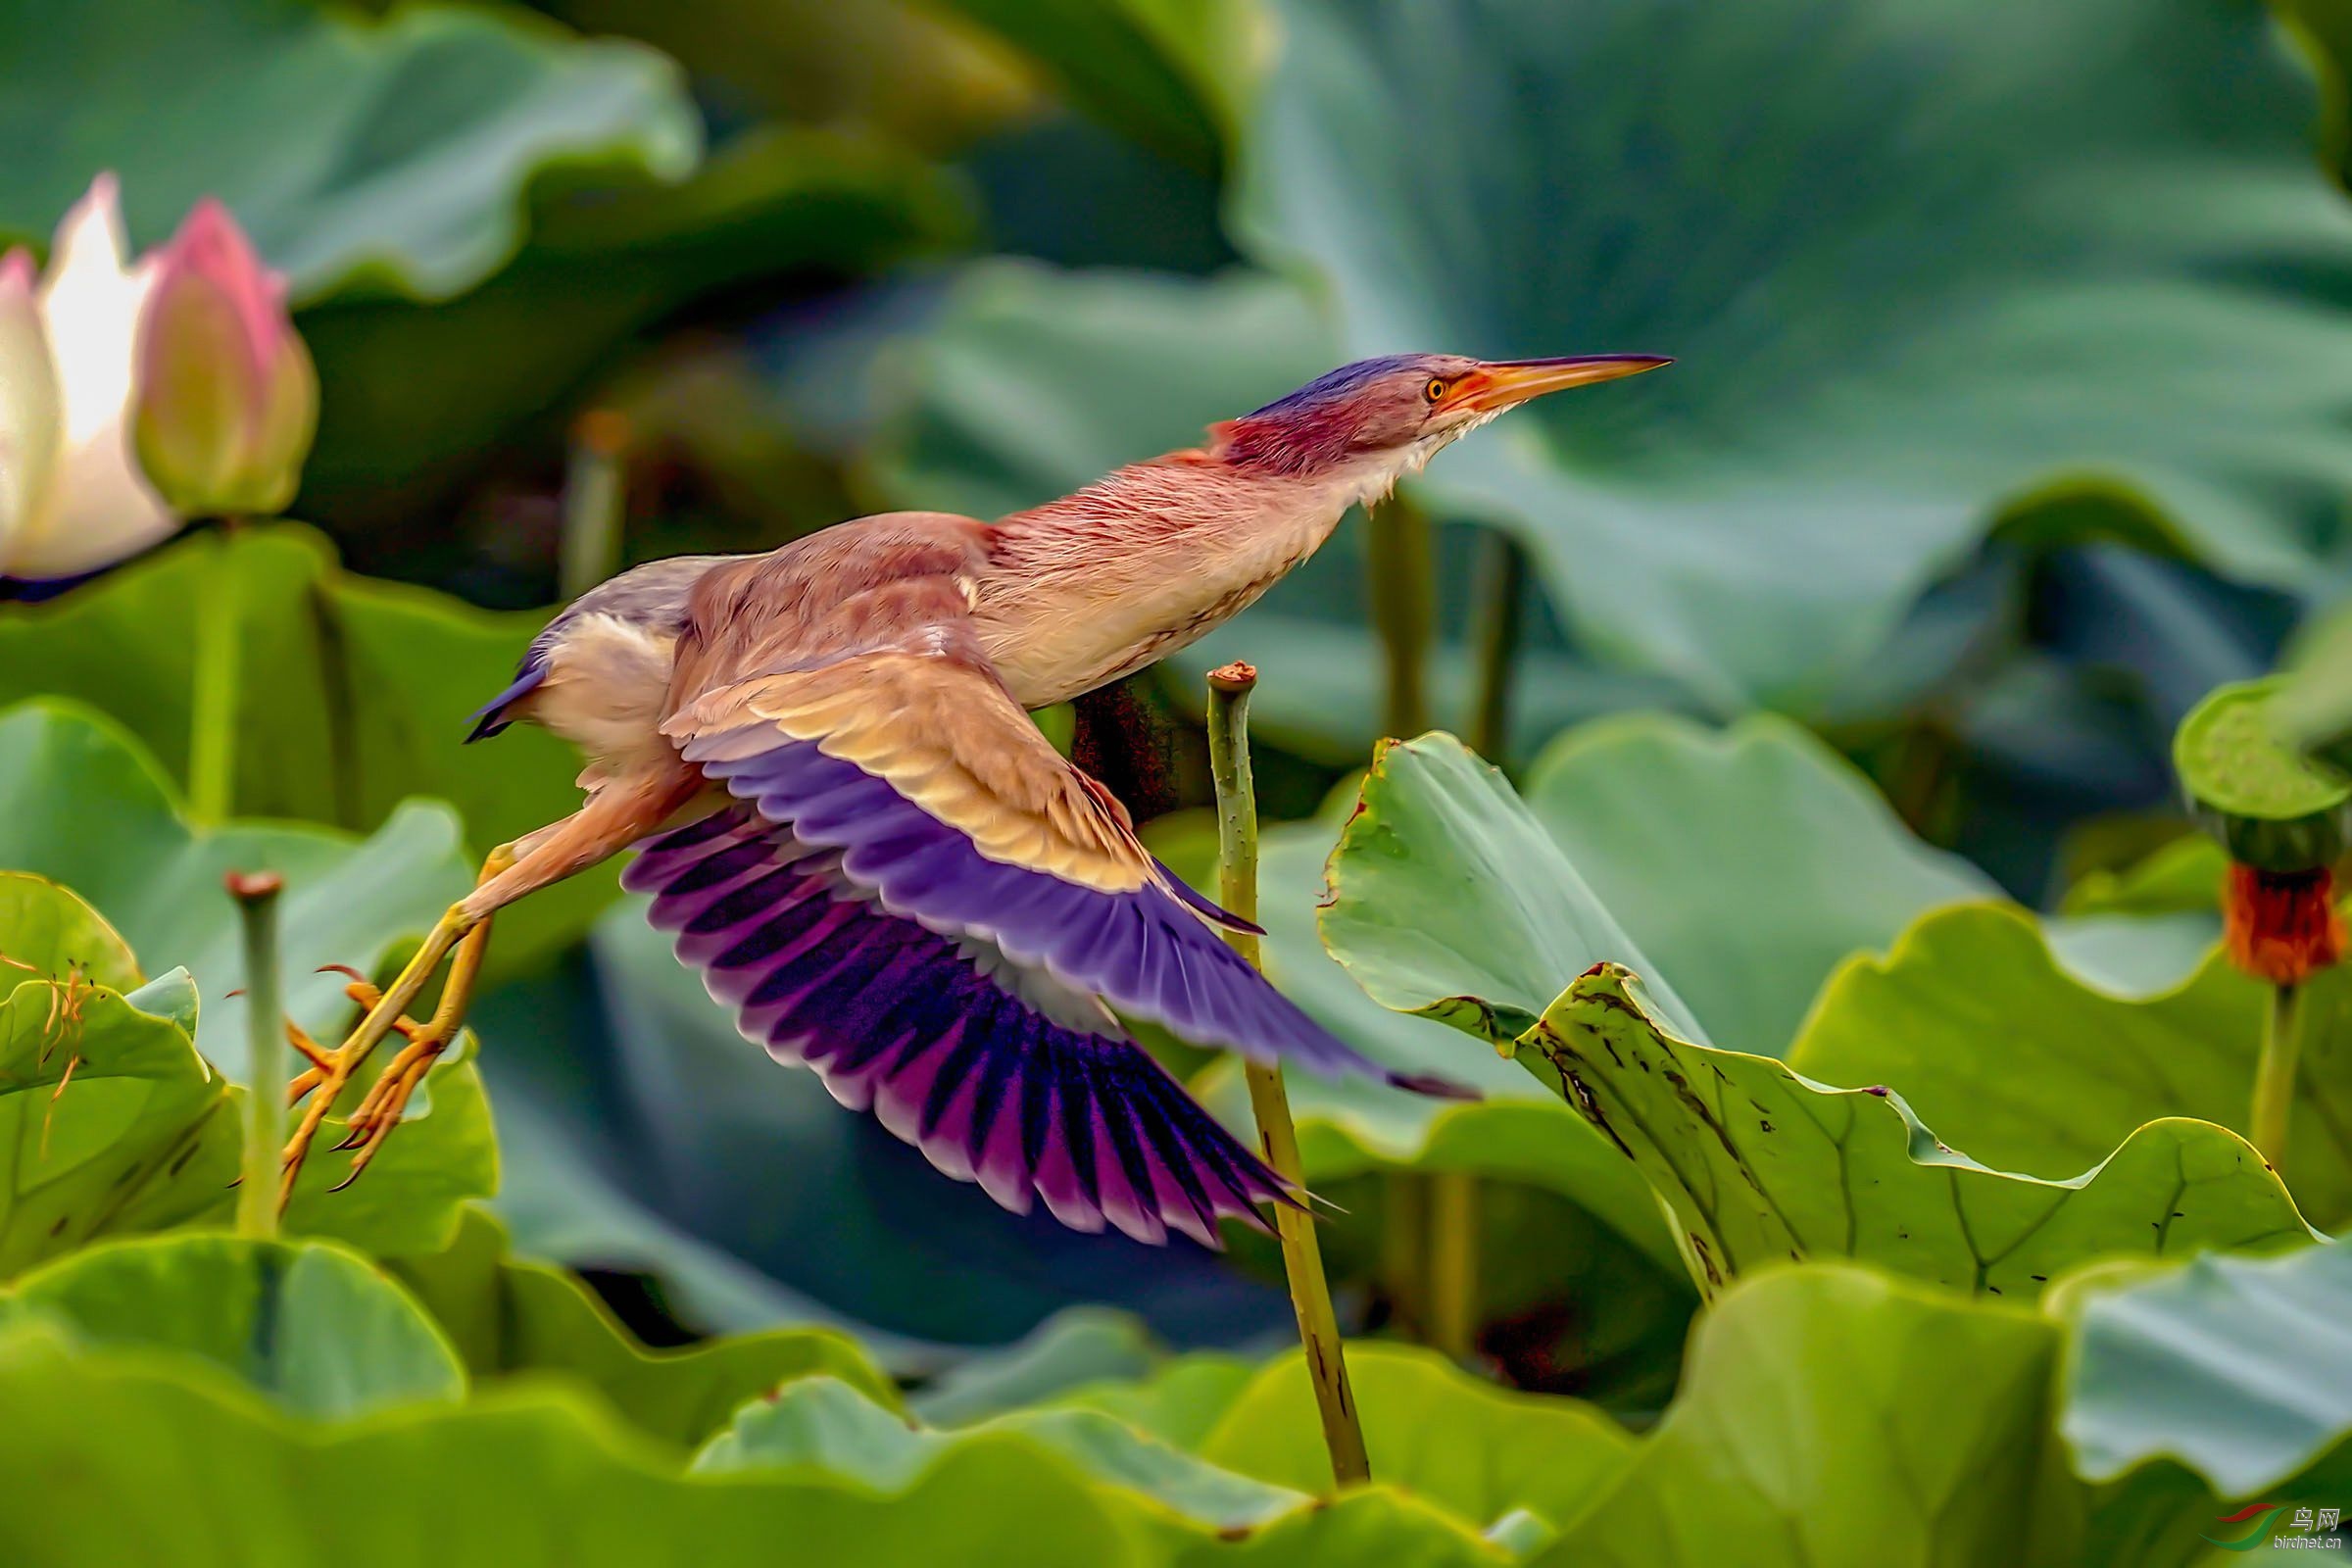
(28, 409)
(71, 498)
(229, 400)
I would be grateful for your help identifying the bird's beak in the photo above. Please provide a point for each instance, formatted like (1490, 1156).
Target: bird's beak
(1499, 384)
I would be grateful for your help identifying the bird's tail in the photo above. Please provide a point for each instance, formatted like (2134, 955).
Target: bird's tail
(996, 1071)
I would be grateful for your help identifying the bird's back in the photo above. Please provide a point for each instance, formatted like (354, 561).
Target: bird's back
(601, 674)
(822, 595)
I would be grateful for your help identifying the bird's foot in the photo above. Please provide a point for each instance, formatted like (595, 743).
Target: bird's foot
(322, 1082)
(380, 1111)
(385, 1012)
(330, 1072)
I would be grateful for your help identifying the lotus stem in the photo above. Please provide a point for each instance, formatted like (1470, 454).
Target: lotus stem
(1453, 1290)
(1229, 691)
(1401, 583)
(214, 697)
(1403, 1251)
(1502, 590)
(255, 893)
(1451, 1299)
(1402, 579)
(2274, 1073)
(594, 498)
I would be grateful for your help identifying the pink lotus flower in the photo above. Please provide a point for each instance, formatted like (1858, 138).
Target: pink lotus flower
(72, 496)
(229, 400)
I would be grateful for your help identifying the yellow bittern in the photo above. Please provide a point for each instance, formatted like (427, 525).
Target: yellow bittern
(841, 806)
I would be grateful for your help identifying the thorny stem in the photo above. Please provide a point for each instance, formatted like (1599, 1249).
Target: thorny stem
(256, 894)
(2275, 1074)
(1301, 1254)
(594, 498)
(214, 697)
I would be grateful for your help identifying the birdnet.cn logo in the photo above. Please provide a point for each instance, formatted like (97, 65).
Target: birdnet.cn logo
(2260, 1525)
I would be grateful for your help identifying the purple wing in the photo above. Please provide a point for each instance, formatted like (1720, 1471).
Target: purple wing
(1146, 949)
(997, 1071)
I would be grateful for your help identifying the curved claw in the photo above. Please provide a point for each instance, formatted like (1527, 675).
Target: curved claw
(467, 936)
(324, 1082)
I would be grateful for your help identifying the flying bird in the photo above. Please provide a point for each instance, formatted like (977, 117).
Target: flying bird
(840, 805)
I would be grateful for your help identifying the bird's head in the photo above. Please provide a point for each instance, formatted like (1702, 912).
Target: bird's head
(1388, 416)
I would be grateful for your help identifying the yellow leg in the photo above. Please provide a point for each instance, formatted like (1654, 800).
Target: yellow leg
(379, 1112)
(326, 1078)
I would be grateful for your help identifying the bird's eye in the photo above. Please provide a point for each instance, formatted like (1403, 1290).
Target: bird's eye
(1435, 390)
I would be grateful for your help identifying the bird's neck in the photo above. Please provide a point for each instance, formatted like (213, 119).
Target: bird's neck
(1094, 586)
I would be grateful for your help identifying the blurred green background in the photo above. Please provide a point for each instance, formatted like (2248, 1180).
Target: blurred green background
(2010, 416)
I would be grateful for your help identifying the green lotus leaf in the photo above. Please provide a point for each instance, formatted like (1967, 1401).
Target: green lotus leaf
(1347, 1129)
(1181, 1401)
(1748, 862)
(316, 1328)
(1749, 1156)
(1834, 1415)
(1889, 344)
(1740, 866)
(82, 804)
(823, 1422)
(922, 76)
(1168, 73)
(46, 930)
(507, 1316)
(1763, 1166)
(2315, 707)
(1076, 1346)
(1448, 899)
(2184, 877)
(387, 152)
(2146, 927)
(561, 1202)
(2237, 1368)
(143, 1136)
(1733, 872)
(1925, 270)
(353, 695)
(80, 1482)
(2006, 1054)
(1429, 1427)
(1561, 1216)
(1180, 1508)
(417, 396)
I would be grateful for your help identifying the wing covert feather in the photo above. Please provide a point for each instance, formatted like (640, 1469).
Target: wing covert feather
(839, 686)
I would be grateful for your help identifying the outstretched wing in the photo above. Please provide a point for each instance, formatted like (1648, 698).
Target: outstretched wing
(999, 1075)
(843, 692)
